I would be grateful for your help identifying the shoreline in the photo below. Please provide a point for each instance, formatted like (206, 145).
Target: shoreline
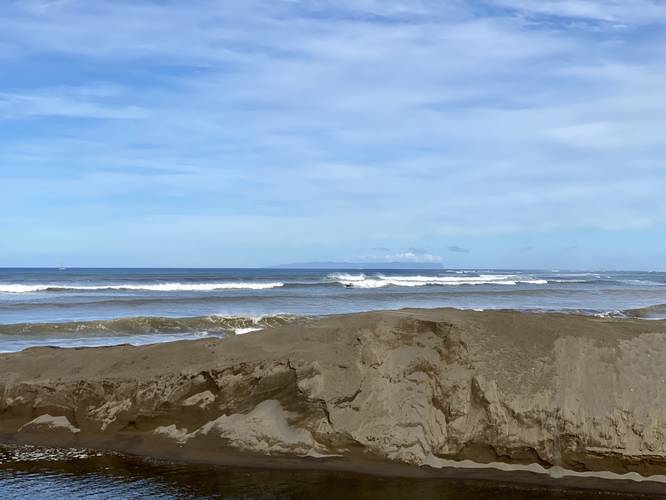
(495, 473)
(431, 386)
(148, 330)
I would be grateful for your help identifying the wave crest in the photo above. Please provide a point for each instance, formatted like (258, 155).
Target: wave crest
(143, 325)
(153, 287)
(380, 281)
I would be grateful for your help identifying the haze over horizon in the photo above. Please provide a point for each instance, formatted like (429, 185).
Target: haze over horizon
(492, 134)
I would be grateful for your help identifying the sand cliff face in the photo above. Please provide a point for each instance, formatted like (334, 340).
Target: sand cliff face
(411, 386)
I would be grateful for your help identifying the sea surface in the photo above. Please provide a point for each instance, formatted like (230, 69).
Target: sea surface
(91, 307)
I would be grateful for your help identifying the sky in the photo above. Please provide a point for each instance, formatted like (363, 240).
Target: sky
(240, 133)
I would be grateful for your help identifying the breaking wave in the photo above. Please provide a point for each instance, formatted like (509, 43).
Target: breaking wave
(149, 325)
(379, 281)
(651, 312)
(154, 287)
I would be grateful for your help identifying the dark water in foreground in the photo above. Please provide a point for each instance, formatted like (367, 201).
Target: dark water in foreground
(36, 473)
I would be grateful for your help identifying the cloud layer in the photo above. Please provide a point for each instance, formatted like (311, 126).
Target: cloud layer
(245, 133)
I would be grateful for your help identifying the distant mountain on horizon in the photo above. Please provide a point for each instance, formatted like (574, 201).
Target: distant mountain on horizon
(361, 265)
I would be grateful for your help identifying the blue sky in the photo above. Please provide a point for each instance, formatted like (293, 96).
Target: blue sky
(497, 133)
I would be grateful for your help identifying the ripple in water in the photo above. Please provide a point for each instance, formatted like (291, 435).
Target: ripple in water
(36, 473)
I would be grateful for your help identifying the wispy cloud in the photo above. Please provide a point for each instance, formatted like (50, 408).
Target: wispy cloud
(617, 11)
(412, 257)
(343, 124)
(69, 103)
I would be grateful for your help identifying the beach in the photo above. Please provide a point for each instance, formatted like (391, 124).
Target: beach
(562, 398)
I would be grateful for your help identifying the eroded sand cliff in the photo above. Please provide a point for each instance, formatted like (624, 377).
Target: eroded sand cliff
(414, 386)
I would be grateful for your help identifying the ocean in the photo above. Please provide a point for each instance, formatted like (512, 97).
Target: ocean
(93, 307)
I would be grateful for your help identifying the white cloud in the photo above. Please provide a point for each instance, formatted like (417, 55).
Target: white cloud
(412, 255)
(619, 11)
(379, 122)
(55, 102)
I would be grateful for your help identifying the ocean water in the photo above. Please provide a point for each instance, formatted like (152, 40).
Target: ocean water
(90, 307)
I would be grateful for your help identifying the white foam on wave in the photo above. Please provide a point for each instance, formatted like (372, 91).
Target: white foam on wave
(611, 314)
(242, 331)
(150, 287)
(259, 322)
(380, 281)
(642, 283)
(347, 277)
(22, 288)
(567, 281)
